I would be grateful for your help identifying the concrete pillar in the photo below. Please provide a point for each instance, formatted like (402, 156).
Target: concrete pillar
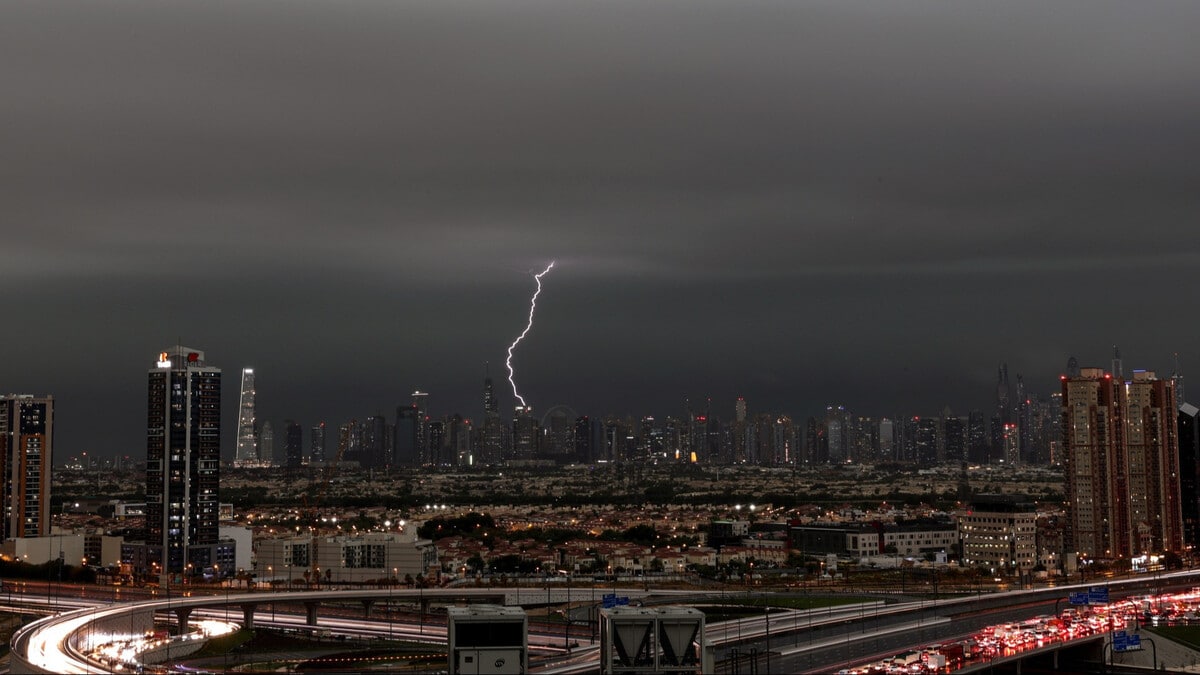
(248, 615)
(367, 603)
(181, 615)
(310, 610)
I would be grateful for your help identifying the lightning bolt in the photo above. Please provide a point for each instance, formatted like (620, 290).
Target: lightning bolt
(532, 307)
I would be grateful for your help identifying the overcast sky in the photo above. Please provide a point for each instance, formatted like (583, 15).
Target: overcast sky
(803, 203)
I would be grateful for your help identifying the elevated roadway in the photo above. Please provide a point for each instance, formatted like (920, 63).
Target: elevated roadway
(835, 636)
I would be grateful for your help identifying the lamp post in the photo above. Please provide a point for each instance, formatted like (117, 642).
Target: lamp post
(567, 615)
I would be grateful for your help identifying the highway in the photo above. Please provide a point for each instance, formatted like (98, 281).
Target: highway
(778, 641)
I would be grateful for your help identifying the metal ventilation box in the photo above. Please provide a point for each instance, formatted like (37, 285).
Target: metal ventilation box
(659, 640)
(488, 640)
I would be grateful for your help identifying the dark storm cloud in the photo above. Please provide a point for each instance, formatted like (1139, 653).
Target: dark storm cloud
(868, 203)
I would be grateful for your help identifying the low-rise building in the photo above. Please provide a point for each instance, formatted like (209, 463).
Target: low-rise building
(856, 540)
(365, 558)
(38, 550)
(1000, 534)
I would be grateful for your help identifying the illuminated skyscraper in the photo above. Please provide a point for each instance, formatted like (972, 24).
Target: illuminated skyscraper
(1177, 378)
(583, 438)
(524, 434)
(376, 442)
(26, 455)
(316, 444)
(437, 441)
(1122, 464)
(247, 444)
(741, 438)
(1189, 473)
(420, 401)
(978, 445)
(458, 441)
(183, 460)
(887, 440)
(492, 432)
(266, 443)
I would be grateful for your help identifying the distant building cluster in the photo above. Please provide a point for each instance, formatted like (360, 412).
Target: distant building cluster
(1130, 465)
(1021, 428)
(1128, 446)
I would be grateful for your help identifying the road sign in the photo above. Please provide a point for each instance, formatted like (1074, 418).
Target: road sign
(1098, 595)
(611, 600)
(1078, 598)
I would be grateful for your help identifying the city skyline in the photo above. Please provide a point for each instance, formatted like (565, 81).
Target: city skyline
(803, 204)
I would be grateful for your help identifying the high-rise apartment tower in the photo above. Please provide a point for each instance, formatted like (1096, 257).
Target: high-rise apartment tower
(183, 458)
(26, 455)
(1122, 464)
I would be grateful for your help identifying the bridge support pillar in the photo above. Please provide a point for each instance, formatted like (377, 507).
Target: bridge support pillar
(310, 611)
(367, 604)
(181, 615)
(248, 615)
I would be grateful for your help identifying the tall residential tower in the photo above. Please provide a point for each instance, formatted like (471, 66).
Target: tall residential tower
(183, 459)
(1122, 464)
(26, 455)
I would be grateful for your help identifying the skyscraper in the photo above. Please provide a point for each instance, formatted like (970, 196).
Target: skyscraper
(405, 450)
(26, 454)
(887, 440)
(459, 441)
(977, 437)
(926, 442)
(376, 442)
(1177, 378)
(437, 441)
(837, 433)
(183, 459)
(740, 437)
(316, 443)
(524, 433)
(492, 432)
(583, 437)
(954, 439)
(247, 446)
(420, 400)
(346, 449)
(266, 443)
(1189, 473)
(293, 444)
(1122, 464)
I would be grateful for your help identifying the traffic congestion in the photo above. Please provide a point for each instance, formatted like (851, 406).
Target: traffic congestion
(1010, 639)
